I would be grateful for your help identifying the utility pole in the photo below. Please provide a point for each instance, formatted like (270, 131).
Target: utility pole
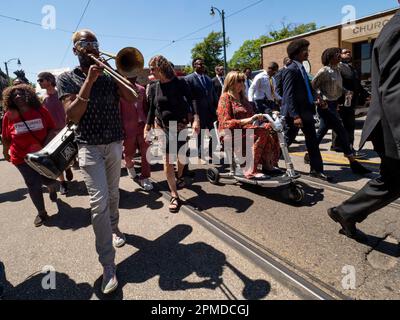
(222, 15)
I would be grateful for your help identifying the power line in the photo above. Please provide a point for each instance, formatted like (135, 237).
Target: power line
(30, 22)
(76, 29)
(207, 26)
(71, 32)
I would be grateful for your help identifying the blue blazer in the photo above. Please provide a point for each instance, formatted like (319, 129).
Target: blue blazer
(295, 101)
(205, 99)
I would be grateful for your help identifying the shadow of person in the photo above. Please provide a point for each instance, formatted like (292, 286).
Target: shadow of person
(69, 218)
(14, 196)
(173, 262)
(77, 189)
(34, 288)
(205, 200)
(379, 245)
(140, 199)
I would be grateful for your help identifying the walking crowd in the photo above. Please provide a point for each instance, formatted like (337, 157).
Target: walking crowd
(114, 123)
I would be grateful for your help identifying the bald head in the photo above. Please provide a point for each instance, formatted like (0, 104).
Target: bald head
(84, 34)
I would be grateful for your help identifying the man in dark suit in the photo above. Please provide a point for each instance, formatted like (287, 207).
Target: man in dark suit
(298, 105)
(204, 97)
(382, 127)
(279, 74)
(219, 80)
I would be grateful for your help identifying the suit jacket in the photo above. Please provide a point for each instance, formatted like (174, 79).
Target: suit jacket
(295, 100)
(279, 82)
(217, 86)
(205, 99)
(383, 122)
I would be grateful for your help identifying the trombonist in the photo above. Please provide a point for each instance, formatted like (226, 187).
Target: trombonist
(91, 100)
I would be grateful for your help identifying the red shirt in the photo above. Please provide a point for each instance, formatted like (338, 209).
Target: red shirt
(22, 141)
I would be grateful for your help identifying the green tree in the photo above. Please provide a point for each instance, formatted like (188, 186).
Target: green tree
(211, 50)
(249, 54)
(291, 30)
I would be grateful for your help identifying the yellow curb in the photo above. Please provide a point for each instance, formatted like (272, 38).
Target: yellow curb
(328, 157)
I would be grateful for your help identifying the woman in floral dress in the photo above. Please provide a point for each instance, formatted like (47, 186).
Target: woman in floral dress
(235, 112)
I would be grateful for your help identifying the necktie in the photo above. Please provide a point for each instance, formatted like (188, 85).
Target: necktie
(203, 82)
(271, 83)
(308, 86)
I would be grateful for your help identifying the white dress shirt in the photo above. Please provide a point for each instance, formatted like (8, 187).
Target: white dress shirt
(261, 88)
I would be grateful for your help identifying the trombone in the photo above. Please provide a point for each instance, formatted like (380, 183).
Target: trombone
(128, 61)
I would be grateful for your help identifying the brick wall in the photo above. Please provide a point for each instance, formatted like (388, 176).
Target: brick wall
(319, 42)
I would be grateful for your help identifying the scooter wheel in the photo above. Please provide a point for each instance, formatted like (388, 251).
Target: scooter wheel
(296, 194)
(213, 176)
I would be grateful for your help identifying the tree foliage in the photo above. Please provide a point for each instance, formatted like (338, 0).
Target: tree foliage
(211, 49)
(249, 54)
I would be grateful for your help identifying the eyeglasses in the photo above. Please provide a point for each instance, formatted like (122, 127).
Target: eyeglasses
(87, 44)
(40, 80)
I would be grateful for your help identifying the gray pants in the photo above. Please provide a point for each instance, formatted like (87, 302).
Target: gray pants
(101, 168)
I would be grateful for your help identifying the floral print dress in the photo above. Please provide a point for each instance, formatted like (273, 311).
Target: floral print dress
(266, 148)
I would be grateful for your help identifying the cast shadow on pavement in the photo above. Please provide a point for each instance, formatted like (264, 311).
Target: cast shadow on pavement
(77, 189)
(205, 200)
(13, 196)
(173, 262)
(140, 199)
(32, 288)
(379, 245)
(69, 218)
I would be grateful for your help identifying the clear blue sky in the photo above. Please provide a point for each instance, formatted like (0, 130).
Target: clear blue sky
(156, 22)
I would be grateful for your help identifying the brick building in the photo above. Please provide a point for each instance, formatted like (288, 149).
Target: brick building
(359, 36)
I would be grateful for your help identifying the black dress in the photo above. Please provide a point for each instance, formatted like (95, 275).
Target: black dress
(169, 107)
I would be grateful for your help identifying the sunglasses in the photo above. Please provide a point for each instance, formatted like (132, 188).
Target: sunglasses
(40, 80)
(87, 45)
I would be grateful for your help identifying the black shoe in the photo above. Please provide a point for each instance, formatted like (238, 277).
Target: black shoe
(63, 189)
(358, 168)
(307, 158)
(348, 228)
(321, 176)
(69, 175)
(40, 219)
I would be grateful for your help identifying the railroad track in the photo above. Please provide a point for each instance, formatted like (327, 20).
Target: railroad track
(283, 271)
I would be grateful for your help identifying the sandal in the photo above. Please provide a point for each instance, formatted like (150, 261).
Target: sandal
(175, 205)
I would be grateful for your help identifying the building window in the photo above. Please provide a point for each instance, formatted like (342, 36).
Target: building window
(362, 58)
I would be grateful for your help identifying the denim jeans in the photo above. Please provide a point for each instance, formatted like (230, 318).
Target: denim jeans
(101, 168)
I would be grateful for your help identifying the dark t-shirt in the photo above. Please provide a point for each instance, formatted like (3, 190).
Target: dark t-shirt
(171, 101)
(101, 124)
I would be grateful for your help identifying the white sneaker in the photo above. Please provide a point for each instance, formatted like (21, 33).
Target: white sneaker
(110, 282)
(132, 173)
(119, 239)
(146, 184)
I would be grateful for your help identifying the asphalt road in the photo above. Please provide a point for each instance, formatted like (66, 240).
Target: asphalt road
(174, 257)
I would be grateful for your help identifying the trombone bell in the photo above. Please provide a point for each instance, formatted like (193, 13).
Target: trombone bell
(129, 61)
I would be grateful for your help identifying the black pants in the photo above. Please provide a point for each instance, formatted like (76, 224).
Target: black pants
(266, 106)
(312, 144)
(330, 119)
(34, 181)
(348, 116)
(376, 195)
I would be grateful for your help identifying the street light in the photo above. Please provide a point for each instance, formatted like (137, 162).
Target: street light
(6, 65)
(222, 14)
